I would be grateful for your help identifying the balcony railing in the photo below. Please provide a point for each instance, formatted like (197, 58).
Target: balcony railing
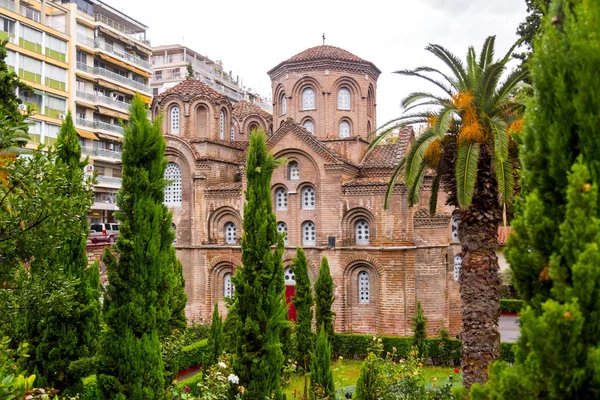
(100, 125)
(121, 28)
(104, 100)
(97, 44)
(8, 4)
(33, 15)
(102, 153)
(114, 76)
(109, 180)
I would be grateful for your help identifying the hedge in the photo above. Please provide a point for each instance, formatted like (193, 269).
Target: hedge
(356, 346)
(510, 306)
(90, 388)
(191, 355)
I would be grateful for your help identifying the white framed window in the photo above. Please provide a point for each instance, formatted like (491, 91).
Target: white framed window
(308, 99)
(310, 126)
(282, 228)
(344, 129)
(308, 198)
(174, 120)
(281, 199)
(173, 189)
(227, 286)
(289, 276)
(309, 234)
(361, 232)
(222, 125)
(283, 104)
(364, 287)
(293, 171)
(344, 99)
(232, 137)
(457, 265)
(230, 232)
(454, 225)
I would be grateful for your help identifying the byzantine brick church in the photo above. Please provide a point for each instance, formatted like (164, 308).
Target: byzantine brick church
(328, 197)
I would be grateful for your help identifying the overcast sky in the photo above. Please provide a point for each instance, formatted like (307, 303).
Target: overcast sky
(251, 37)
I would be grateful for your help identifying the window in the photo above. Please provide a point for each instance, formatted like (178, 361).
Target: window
(344, 99)
(56, 77)
(173, 189)
(56, 48)
(230, 233)
(364, 288)
(310, 126)
(457, 265)
(344, 129)
(308, 198)
(282, 228)
(289, 276)
(309, 234)
(232, 137)
(283, 104)
(81, 57)
(281, 199)
(50, 134)
(8, 26)
(308, 99)
(222, 125)
(454, 224)
(227, 285)
(55, 106)
(30, 69)
(31, 39)
(174, 120)
(361, 232)
(293, 171)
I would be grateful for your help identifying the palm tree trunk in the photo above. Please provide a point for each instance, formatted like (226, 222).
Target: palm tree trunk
(480, 280)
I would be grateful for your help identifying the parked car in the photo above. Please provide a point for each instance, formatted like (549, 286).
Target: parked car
(104, 232)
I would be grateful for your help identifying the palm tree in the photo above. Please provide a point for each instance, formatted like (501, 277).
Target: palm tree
(468, 149)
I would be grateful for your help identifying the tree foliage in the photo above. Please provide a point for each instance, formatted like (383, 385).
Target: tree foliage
(321, 375)
(9, 83)
(419, 329)
(530, 28)
(324, 299)
(303, 301)
(216, 340)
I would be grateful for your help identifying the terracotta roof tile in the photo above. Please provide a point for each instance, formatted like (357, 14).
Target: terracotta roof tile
(226, 186)
(192, 87)
(243, 109)
(503, 233)
(389, 155)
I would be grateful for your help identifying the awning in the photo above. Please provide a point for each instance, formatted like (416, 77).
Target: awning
(125, 65)
(112, 113)
(85, 103)
(86, 134)
(108, 137)
(112, 86)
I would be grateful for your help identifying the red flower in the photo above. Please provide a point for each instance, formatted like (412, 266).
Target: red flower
(456, 370)
(187, 388)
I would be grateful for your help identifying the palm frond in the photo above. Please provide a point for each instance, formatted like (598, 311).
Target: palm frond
(443, 120)
(489, 81)
(451, 61)
(392, 182)
(466, 172)
(514, 78)
(472, 67)
(510, 51)
(505, 179)
(414, 159)
(414, 190)
(500, 138)
(426, 103)
(418, 96)
(487, 52)
(407, 72)
(435, 188)
(451, 81)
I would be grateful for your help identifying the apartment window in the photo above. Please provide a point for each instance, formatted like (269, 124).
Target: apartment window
(282, 228)
(56, 77)
(35, 130)
(222, 125)
(173, 189)
(81, 57)
(309, 234)
(344, 129)
(281, 199)
(308, 99)
(30, 39)
(283, 104)
(56, 48)
(30, 69)
(174, 120)
(230, 232)
(344, 99)
(289, 276)
(227, 285)
(309, 126)
(158, 75)
(361, 232)
(55, 106)
(364, 287)
(34, 99)
(293, 171)
(7, 26)
(11, 59)
(50, 134)
(80, 86)
(308, 198)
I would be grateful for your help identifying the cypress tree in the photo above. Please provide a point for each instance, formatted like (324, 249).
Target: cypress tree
(321, 376)
(324, 298)
(553, 251)
(145, 275)
(67, 332)
(216, 339)
(419, 328)
(259, 298)
(303, 301)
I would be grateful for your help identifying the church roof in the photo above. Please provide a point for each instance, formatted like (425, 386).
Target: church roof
(243, 109)
(389, 155)
(191, 88)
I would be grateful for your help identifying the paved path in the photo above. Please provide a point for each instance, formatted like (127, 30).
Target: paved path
(509, 328)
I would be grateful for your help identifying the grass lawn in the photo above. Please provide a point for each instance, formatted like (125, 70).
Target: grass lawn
(345, 373)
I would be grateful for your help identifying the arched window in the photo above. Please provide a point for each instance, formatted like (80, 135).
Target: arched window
(454, 225)
(230, 233)
(174, 120)
(283, 104)
(309, 234)
(281, 199)
(361, 232)
(308, 198)
(308, 99)
(222, 125)
(457, 265)
(173, 189)
(289, 276)
(293, 171)
(282, 228)
(227, 285)
(344, 129)
(344, 99)
(310, 126)
(368, 127)
(364, 287)
(232, 137)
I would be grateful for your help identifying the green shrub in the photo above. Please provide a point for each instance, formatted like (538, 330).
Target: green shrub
(192, 355)
(419, 330)
(510, 306)
(90, 388)
(507, 352)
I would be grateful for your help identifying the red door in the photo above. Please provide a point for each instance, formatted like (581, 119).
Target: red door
(289, 293)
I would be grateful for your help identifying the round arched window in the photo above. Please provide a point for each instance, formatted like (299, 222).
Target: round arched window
(282, 228)
(172, 190)
(174, 120)
(289, 276)
(344, 99)
(344, 129)
(309, 234)
(361, 232)
(364, 287)
(309, 198)
(230, 232)
(281, 199)
(308, 99)
(310, 126)
(283, 104)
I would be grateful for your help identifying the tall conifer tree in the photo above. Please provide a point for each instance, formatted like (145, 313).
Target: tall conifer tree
(321, 376)
(145, 276)
(324, 298)
(259, 297)
(303, 301)
(216, 340)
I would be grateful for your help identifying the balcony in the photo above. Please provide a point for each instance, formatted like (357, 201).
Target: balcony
(139, 36)
(108, 180)
(96, 44)
(31, 14)
(8, 4)
(114, 76)
(100, 125)
(109, 101)
(116, 155)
